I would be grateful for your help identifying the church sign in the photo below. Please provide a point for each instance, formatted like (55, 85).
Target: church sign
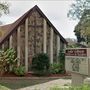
(78, 61)
(76, 52)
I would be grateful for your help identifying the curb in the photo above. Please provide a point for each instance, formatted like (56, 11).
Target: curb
(31, 78)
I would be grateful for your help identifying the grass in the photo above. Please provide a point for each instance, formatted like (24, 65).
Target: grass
(17, 84)
(3, 88)
(84, 87)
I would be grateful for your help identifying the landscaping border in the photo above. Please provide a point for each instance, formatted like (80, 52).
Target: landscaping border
(31, 78)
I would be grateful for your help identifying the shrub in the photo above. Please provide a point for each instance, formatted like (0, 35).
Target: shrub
(20, 70)
(40, 64)
(61, 58)
(11, 59)
(7, 60)
(2, 62)
(56, 68)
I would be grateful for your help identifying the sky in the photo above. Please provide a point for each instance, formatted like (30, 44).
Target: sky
(55, 10)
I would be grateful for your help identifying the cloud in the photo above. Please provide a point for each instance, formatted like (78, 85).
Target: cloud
(56, 11)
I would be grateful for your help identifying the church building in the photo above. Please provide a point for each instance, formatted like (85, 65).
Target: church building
(31, 34)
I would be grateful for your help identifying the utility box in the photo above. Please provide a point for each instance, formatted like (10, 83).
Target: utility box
(77, 61)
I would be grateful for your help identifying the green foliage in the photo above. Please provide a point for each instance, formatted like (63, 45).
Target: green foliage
(56, 88)
(82, 29)
(77, 8)
(77, 45)
(7, 60)
(40, 63)
(2, 87)
(72, 46)
(61, 57)
(80, 9)
(56, 68)
(10, 56)
(20, 70)
(4, 8)
(84, 87)
(77, 32)
(3, 62)
(61, 60)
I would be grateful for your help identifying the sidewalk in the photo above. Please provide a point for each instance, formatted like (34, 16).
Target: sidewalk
(48, 85)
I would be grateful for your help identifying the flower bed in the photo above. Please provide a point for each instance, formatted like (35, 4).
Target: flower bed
(32, 75)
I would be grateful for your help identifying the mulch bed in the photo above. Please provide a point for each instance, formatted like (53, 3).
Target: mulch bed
(58, 75)
(32, 75)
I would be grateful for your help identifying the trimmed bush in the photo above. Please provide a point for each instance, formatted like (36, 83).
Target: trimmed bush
(56, 68)
(61, 59)
(20, 70)
(40, 64)
(7, 60)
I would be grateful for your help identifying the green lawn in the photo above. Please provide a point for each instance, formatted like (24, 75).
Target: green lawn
(84, 87)
(3, 88)
(16, 84)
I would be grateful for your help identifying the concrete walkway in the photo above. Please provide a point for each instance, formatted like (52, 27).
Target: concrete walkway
(48, 85)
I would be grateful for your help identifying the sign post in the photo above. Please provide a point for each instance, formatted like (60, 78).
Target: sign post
(78, 63)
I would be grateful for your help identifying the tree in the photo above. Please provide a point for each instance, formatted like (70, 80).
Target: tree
(4, 8)
(83, 27)
(80, 9)
(77, 8)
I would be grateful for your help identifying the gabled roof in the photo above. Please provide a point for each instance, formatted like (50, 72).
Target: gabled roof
(9, 29)
(4, 29)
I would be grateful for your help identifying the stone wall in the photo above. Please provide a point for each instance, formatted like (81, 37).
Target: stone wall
(35, 35)
(6, 44)
(61, 45)
(22, 44)
(54, 47)
(48, 40)
(14, 41)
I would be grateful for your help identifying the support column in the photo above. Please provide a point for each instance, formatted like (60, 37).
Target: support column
(64, 46)
(51, 46)
(58, 46)
(18, 45)
(26, 45)
(45, 37)
(77, 79)
(10, 42)
(10, 46)
(3, 46)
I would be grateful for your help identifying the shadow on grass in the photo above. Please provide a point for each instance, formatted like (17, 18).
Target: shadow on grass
(17, 84)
